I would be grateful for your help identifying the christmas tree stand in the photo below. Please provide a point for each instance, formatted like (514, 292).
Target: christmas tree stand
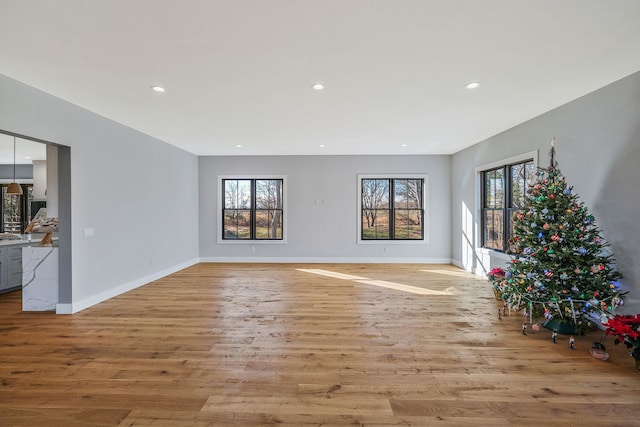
(562, 326)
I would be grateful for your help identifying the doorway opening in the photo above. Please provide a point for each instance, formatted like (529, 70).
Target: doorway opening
(43, 171)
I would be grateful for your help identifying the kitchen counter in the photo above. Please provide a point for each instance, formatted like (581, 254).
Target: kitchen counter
(39, 278)
(25, 240)
(27, 266)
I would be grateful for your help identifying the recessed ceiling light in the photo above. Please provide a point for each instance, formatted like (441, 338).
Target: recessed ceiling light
(317, 86)
(321, 145)
(239, 146)
(404, 145)
(472, 85)
(157, 88)
(27, 158)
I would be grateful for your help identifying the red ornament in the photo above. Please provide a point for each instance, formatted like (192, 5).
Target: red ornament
(596, 293)
(552, 196)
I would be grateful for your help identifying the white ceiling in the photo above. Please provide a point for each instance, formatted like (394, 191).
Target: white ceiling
(26, 151)
(239, 72)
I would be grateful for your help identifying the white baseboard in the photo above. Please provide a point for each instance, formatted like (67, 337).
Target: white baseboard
(478, 271)
(473, 270)
(126, 287)
(326, 260)
(457, 263)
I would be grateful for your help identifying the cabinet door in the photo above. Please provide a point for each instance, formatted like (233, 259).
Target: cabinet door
(3, 269)
(14, 267)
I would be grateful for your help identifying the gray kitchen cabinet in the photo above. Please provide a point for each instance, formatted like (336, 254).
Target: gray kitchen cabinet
(10, 268)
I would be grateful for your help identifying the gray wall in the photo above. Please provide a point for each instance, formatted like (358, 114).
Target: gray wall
(598, 152)
(22, 172)
(154, 208)
(137, 193)
(326, 231)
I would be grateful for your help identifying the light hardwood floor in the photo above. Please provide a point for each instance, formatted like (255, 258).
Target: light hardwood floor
(273, 344)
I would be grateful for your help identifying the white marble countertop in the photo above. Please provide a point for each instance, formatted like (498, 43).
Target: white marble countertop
(32, 239)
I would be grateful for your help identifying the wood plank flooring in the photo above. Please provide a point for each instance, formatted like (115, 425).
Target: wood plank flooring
(272, 344)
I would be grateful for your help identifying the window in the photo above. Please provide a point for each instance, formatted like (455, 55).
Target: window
(392, 208)
(504, 190)
(252, 209)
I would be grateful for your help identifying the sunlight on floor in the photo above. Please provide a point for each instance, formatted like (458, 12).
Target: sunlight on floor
(408, 288)
(385, 284)
(332, 274)
(464, 274)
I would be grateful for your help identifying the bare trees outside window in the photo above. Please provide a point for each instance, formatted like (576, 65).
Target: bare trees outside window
(253, 209)
(503, 195)
(392, 209)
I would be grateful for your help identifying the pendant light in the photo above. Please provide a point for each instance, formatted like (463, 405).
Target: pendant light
(14, 187)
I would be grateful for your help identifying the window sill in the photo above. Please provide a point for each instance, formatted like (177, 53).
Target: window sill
(251, 242)
(391, 242)
(495, 254)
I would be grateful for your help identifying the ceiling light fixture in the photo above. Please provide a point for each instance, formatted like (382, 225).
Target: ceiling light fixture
(321, 145)
(157, 88)
(317, 86)
(239, 146)
(14, 188)
(472, 85)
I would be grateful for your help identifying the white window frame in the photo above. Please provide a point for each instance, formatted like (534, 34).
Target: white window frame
(219, 208)
(426, 217)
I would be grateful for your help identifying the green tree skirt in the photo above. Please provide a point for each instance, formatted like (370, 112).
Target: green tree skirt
(562, 326)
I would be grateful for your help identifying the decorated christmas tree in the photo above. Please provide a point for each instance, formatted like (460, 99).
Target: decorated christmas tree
(561, 268)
